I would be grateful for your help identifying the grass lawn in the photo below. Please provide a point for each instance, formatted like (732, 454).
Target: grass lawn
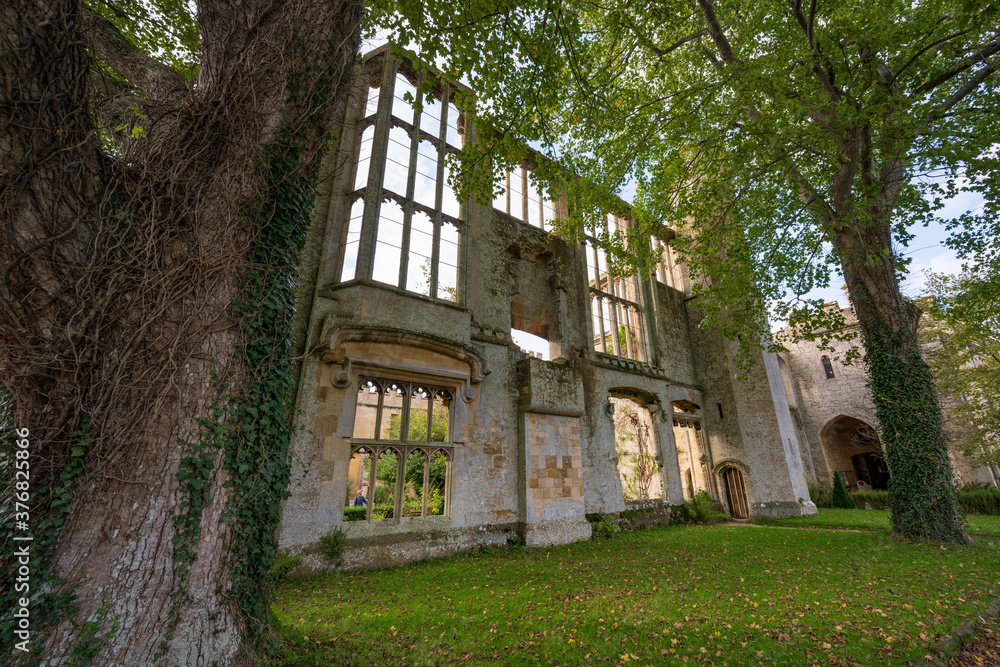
(979, 524)
(728, 595)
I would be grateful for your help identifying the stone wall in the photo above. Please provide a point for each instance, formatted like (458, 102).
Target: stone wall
(826, 409)
(531, 443)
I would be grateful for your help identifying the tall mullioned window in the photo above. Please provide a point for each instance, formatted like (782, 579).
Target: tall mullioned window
(404, 206)
(401, 451)
(524, 200)
(614, 301)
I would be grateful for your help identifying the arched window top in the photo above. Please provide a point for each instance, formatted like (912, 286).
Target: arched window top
(828, 367)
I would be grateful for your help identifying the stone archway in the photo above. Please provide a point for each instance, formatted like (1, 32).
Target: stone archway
(852, 447)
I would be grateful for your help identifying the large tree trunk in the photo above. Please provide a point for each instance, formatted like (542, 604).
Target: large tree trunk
(922, 493)
(119, 340)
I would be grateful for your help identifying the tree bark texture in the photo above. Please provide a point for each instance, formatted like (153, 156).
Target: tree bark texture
(118, 273)
(922, 494)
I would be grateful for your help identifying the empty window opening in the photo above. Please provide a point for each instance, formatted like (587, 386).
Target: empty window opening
(371, 101)
(664, 269)
(425, 182)
(430, 116)
(828, 368)
(383, 496)
(453, 133)
(403, 94)
(364, 157)
(635, 446)
(525, 199)
(614, 300)
(719, 405)
(534, 321)
(350, 263)
(535, 346)
(397, 162)
(405, 428)
(423, 489)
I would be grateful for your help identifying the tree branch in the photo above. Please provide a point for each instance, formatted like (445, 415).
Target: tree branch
(716, 32)
(148, 75)
(661, 52)
(969, 86)
(981, 55)
(913, 58)
(807, 28)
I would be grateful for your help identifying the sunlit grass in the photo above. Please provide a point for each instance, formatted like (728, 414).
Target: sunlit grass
(732, 595)
(978, 524)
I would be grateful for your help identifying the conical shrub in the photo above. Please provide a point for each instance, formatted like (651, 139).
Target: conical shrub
(841, 498)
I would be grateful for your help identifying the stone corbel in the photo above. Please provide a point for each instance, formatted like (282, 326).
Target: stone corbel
(469, 393)
(341, 379)
(609, 409)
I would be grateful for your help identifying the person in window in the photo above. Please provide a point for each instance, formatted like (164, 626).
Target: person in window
(359, 500)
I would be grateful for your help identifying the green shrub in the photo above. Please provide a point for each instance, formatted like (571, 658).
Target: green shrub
(980, 500)
(974, 486)
(879, 500)
(333, 545)
(603, 527)
(840, 499)
(352, 513)
(820, 496)
(679, 515)
(703, 508)
(282, 564)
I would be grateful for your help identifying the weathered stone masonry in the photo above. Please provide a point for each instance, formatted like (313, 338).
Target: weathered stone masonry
(407, 303)
(834, 413)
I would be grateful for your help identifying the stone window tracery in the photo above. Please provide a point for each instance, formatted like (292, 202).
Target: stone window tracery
(405, 223)
(614, 301)
(536, 208)
(401, 451)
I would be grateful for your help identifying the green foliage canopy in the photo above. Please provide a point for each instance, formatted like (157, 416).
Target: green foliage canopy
(776, 130)
(961, 336)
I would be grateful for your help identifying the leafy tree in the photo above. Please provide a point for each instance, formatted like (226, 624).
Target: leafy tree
(415, 472)
(961, 330)
(781, 139)
(156, 184)
(841, 498)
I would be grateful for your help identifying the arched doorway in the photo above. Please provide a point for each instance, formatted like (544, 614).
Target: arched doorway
(736, 492)
(853, 449)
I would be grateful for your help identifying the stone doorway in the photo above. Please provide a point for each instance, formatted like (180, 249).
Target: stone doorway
(853, 449)
(736, 493)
